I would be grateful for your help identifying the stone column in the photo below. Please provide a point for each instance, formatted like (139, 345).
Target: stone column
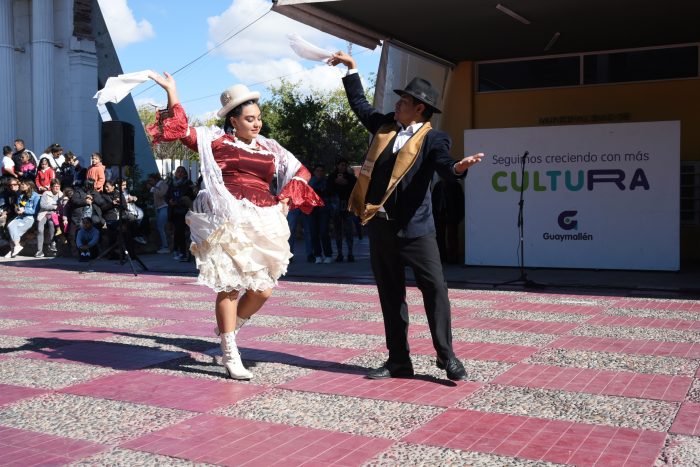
(42, 75)
(8, 92)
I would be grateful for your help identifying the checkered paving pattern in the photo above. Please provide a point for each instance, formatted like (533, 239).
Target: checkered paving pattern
(112, 369)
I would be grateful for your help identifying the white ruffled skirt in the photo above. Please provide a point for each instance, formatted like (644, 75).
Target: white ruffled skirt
(248, 251)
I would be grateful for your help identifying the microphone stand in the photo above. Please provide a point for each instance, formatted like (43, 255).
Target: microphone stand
(522, 279)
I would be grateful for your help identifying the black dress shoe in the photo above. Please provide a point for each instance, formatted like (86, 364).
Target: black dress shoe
(391, 370)
(351, 259)
(454, 368)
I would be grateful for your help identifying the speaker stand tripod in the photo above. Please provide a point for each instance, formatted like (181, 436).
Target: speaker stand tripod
(121, 244)
(522, 278)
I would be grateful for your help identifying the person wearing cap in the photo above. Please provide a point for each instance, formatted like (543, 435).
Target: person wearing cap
(392, 196)
(238, 222)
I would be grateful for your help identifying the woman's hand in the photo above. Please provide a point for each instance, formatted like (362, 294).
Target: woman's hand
(167, 82)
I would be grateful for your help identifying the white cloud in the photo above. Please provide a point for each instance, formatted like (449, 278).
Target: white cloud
(262, 53)
(265, 39)
(123, 27)
(268, 73)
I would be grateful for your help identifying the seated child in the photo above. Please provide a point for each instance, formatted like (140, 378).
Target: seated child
(87, 240)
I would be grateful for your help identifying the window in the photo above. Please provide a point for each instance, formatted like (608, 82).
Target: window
(524, 74)
(598, 68)
(642, 65)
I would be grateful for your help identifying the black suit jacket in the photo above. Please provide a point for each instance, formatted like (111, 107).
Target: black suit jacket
(414, 214)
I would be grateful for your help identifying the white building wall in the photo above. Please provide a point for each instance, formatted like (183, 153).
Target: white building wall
(55, 77)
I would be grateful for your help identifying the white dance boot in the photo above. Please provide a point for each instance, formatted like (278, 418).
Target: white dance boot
(231, 359)
(239, 324)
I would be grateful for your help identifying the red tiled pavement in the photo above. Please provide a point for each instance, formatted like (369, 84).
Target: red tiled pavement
(539, 439)
(230, 441)
(297, 354)
(613, 383)
(687, 420)
(62, 331)
(24, 448)
(629, 346)
(642, 304)
(107, 354)
(514, 325)
(633, 321)
(477, 350)
(356, 327)
(206, 437)
(176, 392)
(9, 393)
(427, 391)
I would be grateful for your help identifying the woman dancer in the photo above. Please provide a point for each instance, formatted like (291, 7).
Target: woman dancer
(238, 226)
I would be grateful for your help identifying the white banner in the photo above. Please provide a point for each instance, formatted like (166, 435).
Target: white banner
(595, 196)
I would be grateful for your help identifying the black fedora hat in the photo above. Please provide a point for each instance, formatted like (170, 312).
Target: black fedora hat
(422, 90)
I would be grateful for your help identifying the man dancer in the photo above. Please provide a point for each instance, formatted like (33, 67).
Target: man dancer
(392, 196)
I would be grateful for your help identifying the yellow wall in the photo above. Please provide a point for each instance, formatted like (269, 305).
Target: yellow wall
(649, 101)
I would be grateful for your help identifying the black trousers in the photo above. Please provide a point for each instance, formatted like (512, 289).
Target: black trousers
(389, 256)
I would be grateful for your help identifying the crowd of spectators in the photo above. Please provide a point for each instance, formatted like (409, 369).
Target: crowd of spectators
(80, 212)
(331, 219)
(65, 209)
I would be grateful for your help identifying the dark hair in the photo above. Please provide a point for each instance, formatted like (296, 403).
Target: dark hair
(44, 159)
(319, 166)
(55, 181)
(97, 154)
(6, 150)
(19, 140)
(341, 160)
(428, 112)
(236, 112)
(155, 176)
(68, 192)
(31, 185)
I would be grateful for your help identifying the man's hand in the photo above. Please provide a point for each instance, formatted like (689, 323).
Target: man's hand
(345, 59)
(467, 162)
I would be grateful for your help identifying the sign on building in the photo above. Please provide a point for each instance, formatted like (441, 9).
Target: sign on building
(595, 196)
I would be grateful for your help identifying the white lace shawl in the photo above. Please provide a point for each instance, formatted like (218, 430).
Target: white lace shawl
(215, 198)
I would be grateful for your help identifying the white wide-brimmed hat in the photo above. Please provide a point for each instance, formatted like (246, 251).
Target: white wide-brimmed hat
(234, 96)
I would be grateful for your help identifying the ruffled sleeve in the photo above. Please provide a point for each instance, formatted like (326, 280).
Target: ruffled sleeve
(170, 125)
(300, 195)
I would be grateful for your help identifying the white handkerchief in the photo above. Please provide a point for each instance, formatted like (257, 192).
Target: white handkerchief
(116, 88)
(307, 50)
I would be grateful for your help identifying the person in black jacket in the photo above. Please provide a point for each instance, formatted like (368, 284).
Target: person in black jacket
(72, 173)
(392, 196)
(340, 184)
(448, 210)
(85, 202)
(180, 197)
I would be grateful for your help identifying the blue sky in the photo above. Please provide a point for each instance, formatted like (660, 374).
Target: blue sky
(164, 35)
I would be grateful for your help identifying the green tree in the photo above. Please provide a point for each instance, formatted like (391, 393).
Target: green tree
(317, 127)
